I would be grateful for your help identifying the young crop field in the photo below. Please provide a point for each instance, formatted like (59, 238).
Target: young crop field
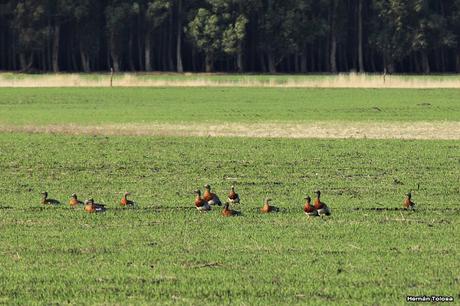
(86, 106)
(163, 251)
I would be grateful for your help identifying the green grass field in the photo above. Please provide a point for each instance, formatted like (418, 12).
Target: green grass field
(164, 251)
(194, 105)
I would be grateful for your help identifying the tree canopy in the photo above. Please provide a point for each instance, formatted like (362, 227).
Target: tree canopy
(289, 36)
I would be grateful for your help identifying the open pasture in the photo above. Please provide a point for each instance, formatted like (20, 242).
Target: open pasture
(165, 251)
(93, 106)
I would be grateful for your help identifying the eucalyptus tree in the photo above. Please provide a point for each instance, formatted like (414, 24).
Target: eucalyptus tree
(118, 14)
(217, 29)
(88, 27)
(454, 24)
(32, 30)
(392, 33)
(152, 14)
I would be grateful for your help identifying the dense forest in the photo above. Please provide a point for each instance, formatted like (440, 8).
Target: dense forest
(290, 36)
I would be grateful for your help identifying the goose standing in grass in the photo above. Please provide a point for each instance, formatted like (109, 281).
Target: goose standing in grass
(46, 201)
(308, 209)
(321, 207)
(267, 208)
(228, 212)
(92, 207)
(74, 201)
(211, 197)
(200, 203)
(233, 197)
(408, 204)
(124, 200)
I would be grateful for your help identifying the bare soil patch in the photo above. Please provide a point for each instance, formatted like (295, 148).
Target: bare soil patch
(324, 130)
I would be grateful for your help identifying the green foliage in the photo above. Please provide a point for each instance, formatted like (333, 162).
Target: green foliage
(30, 24)
(219, 28)
(394, 27)
(291, 35)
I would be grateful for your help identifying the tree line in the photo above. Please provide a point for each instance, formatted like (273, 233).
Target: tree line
(290, 36)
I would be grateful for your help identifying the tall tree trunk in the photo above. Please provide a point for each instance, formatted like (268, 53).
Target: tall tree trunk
(458, 61)
(425, 63)
(360, 36)
(56, 37)
(13, 54)
(333, 47)
(114, 54)
(209, 63)
(271, 62)
(170, 42)
(84, 60)
(418, 68)
(22, 61)
(180, 67)
(263, 66)
(239, 61)
(26, 64)
(43, 61)
(193, 59)
(147, 52)
(239, 58)
(303, 62)
(372, 60)
(130, 52)
(139, 46)
(443, 61)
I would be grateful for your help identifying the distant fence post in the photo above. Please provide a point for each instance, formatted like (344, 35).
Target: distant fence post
(111, 76)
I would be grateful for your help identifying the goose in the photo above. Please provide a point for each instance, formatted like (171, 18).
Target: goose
(408, 204)
(74, 201)
(233, 197)
(92, 207)
(211, 197)
(46, 201)
(267, 208)
(124, 200)
(227, 212)
(320, 206)
(200, 203)
(309, 209)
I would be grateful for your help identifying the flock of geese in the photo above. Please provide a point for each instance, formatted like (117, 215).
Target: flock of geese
(204, 203)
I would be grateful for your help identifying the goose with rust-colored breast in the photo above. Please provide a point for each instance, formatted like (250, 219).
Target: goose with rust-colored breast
(124, 200)
(309, 209)
(92, 207)
(211, 197)
(228, 212)
(268, 208)
(321, 207)
(200, 203)
(408, 204)
(74, 201)
(233, 197)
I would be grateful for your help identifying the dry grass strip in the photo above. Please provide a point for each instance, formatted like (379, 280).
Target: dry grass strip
(352, 80)
(324, 130)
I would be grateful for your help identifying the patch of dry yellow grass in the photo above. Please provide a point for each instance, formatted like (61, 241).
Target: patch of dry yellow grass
(352, 80)
(326, 130)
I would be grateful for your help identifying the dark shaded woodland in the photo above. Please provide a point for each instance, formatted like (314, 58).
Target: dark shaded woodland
(288, 36)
